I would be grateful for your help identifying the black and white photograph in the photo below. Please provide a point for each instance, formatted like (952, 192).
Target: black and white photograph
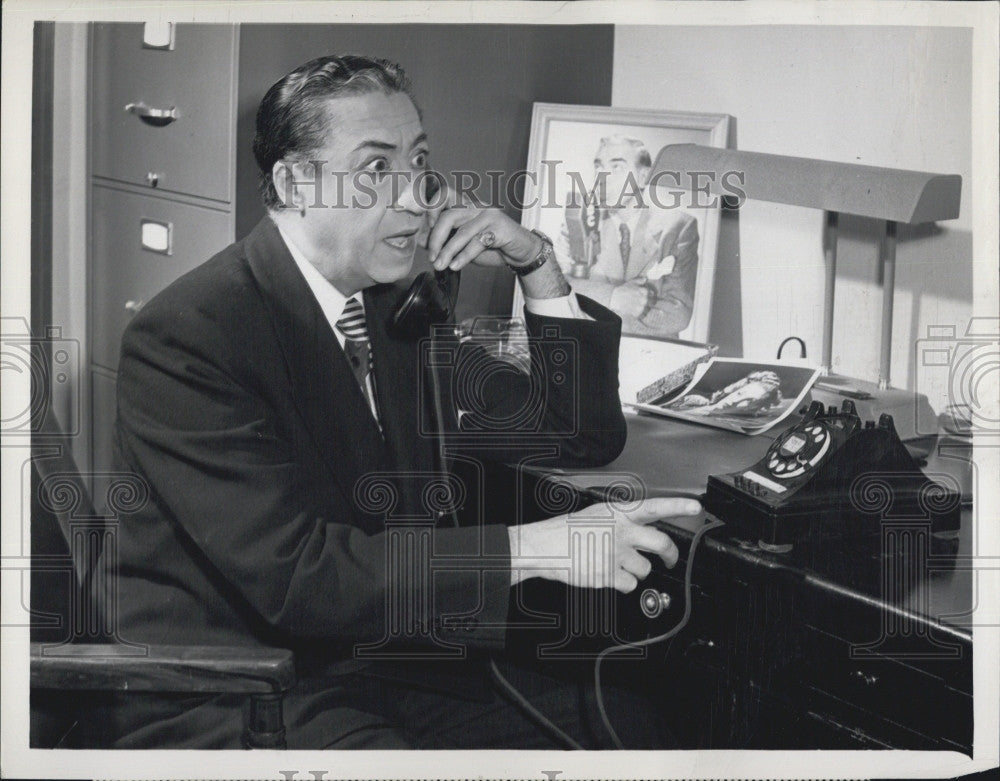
(645, 252)
(742, 395)
(377, 382)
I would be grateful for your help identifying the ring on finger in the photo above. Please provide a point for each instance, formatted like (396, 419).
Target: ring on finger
(487, 238)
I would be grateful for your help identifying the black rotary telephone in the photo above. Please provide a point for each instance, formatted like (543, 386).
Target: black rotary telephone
(830, 476)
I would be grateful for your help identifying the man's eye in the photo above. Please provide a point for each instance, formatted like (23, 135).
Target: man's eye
(420, 160)
(377, 166)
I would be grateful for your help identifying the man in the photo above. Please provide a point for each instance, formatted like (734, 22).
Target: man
(630, 255)
(276, 418)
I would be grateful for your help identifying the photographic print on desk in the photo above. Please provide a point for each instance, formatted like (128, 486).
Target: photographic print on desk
(645, 249)
(740, 395)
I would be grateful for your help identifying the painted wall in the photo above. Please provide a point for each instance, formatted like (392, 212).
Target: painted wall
(897, 97)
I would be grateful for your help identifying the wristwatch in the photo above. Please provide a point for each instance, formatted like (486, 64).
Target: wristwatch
(540, 260)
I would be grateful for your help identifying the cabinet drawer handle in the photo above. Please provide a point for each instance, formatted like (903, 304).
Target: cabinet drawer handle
(133, 307)
(157, 117)
(156, 236)
(653, 602)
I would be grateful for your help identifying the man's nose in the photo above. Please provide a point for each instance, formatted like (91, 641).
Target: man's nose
(409, 198)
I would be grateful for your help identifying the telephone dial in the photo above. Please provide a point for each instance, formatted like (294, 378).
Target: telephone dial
(830, 476)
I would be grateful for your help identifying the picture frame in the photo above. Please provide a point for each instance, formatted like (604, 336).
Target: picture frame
(659, 275)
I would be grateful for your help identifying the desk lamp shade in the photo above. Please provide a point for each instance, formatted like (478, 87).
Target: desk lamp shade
(883, 193)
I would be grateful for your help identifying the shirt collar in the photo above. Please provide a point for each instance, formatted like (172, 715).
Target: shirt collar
(330, 300)
(628, 216)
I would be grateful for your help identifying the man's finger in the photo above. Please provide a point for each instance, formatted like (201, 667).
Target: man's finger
(654, 541)
(650, 510)
(625, 582)
(637, 564)
(447, 221)
(460, 240)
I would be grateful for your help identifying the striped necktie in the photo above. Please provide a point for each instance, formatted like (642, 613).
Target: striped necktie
(357, 346)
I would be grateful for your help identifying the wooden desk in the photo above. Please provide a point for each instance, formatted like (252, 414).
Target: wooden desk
(822, 647)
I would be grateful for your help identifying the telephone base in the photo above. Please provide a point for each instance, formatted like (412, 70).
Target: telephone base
(832, 476)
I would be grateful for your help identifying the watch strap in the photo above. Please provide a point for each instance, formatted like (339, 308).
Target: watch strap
(540, 260)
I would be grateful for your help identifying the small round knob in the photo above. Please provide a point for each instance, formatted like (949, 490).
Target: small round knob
(152, 178)
(653, 602)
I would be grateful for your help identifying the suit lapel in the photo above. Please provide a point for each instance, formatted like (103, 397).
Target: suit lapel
(638, 257)
(326, 394)
(399, 393)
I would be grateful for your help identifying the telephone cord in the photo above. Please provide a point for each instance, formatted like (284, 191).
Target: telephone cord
(545, 722)
(650, 640)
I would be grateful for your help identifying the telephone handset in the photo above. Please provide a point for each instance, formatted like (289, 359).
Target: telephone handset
(829, 476)
(430, 299)
(431, 296)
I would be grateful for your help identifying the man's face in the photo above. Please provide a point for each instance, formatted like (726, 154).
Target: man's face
(364, 231)
(625, 177)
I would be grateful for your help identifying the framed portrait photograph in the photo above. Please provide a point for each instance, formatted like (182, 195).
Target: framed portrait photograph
(646, 250)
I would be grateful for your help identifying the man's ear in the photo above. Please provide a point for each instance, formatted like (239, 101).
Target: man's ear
(284, 182)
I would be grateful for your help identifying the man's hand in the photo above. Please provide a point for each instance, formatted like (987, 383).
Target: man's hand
(463, 234)
(632, 298)
(542, 549)
(485, 236)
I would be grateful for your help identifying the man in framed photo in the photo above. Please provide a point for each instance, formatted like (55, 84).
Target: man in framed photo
(634, 254)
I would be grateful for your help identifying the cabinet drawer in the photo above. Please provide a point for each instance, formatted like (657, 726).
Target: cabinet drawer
(126, 273)
(886, 689)
(192, 153)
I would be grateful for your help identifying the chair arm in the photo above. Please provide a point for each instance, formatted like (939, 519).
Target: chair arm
(162, 668)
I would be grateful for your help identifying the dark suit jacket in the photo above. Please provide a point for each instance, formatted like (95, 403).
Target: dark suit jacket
(267, 515)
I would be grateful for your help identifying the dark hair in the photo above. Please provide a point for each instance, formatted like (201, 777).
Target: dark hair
(642, 158)
(292, 121)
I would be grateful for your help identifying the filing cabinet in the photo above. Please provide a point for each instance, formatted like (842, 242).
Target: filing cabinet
(141, 244)
(162, 183)
(164, 117)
